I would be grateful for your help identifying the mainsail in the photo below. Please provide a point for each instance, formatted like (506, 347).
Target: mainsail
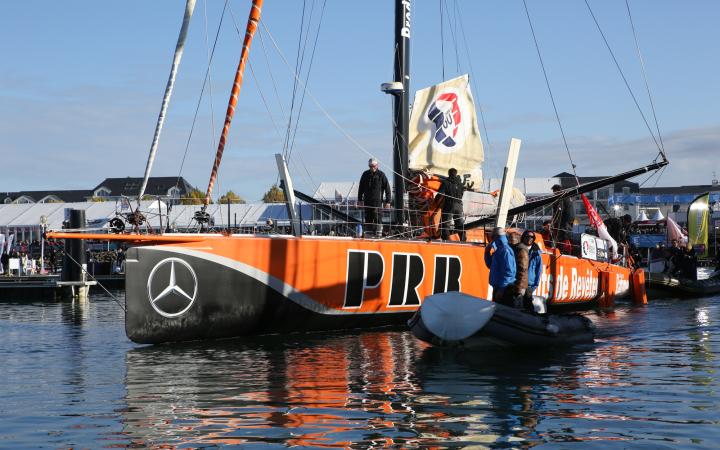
(444, 132)
(698, 218)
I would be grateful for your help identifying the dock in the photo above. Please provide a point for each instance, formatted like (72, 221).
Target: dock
(32, 288)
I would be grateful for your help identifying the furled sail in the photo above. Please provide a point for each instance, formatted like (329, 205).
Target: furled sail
(444, 132)
(698, 221)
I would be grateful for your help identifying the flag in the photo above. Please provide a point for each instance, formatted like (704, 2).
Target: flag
(444, 132)
(597, 223)
(697, 220)
(675, 233)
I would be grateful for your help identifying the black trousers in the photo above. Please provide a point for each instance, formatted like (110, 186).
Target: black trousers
(372, 219)
(459, 224)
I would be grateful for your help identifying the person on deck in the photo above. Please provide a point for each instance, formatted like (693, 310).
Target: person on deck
(546, 234)
(373, 184)
(562, 221)
(535, 267)
(522, 262)
(500, 259)
(451, 191)
(619, 228)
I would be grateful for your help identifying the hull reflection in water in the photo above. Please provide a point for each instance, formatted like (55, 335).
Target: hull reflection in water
(378, 389)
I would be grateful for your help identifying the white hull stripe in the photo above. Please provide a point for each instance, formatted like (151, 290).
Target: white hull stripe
(263, 277)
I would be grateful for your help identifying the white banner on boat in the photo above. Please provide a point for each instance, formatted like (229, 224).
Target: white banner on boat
(593, 247)
(444, 132)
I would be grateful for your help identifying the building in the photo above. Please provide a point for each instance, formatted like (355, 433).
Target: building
(169, 189)
(45, 196)
(672, 201)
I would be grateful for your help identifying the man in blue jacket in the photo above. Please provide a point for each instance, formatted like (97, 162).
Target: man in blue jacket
(500, 259)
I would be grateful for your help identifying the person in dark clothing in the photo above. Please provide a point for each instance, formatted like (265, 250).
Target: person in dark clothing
(619, 228)
(373, 184)
(522, 263)
(689, 263)
(451, 191)
(562, 221)
(5, 261)
(675, 257)
(546, 234)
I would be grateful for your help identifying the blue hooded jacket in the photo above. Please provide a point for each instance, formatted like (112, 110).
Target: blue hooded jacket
(535, 267)
(501, 262)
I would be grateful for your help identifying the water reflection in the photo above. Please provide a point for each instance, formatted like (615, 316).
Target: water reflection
(73, 380)
(366, 390)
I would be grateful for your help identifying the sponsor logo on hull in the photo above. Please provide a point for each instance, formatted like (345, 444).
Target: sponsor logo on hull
(366, 270)
(172, 287)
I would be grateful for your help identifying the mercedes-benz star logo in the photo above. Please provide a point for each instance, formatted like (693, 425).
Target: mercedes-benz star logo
(175, 291)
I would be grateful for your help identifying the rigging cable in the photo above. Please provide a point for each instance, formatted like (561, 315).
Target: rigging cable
(647, 85)
(552, 98)
(617, 64)
(257, 83)
(307, 79)
(209, 75)
(202, 91)
(492, 161)
(298, 68)
(329, 117)
(442, 41)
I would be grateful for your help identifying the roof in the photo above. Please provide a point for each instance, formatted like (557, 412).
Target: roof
(336, 191)
(79, 195)
(678, 190)
(130, 186)
(97, 214)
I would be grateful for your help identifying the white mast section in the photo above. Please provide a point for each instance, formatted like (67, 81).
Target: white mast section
(507, 182)
(189, 8)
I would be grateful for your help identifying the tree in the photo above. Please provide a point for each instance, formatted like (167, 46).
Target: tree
(98, 199)
(233, 197)
(194, 197)
(274, 195)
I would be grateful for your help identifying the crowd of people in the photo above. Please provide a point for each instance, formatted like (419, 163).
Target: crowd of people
(28, 254)
(29, 258)
(515, 268)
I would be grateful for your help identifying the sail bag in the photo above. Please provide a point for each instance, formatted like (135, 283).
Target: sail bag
(444, 132)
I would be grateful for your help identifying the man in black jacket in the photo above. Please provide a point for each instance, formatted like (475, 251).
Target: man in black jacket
(373, 184)
(452, 211)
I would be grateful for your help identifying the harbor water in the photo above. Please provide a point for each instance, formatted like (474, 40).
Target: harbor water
(70, 378)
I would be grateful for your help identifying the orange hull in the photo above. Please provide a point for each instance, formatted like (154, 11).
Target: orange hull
(224, 286)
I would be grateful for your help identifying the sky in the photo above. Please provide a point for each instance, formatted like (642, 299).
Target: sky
(81, 84)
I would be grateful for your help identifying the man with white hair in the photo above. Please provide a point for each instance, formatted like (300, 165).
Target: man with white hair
(373, 184)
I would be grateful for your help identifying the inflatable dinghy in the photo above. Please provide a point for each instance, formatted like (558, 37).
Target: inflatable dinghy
(664, 284)
(454, 319)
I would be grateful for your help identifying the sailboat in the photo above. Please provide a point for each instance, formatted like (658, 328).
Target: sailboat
(183, 287)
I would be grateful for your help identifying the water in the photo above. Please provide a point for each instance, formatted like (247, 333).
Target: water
(70, 378)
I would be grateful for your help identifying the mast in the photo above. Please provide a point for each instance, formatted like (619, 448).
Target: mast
(252, 24)
(401, 107)
(179, 47)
